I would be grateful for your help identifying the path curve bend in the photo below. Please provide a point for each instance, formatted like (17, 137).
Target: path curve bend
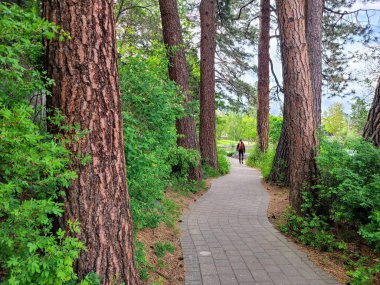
(227, 238)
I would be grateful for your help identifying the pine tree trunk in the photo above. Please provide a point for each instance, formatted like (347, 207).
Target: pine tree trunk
(314, 33)
(263, 76)
(280, 168)
(372, 127)
(207, 134)
(298, 120)
(171, 28)
(86, 91)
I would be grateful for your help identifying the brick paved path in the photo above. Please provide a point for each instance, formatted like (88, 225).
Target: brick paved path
(227, 238)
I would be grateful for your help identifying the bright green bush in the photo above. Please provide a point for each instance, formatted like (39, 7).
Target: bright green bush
(262, 161)
(223, 165)
(150, 109)
(34, 169)
(21, 50)
(349, 188)
(275, 126)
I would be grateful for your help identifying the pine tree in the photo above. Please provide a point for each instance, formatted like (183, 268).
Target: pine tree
(372, 127)
(263, 76)
(207, 132)
(86, 91)
(171, 29)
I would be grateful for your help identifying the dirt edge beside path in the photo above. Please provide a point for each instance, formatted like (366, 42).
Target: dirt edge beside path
(172, 269)
(278, 203)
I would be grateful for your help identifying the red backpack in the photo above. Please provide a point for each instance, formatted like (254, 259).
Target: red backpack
(241, 146)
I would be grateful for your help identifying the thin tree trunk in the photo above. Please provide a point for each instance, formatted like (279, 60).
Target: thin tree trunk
(314, 33)
(299, 120)
(86, 91)
(207, 134)
(263, 76)
(372, 127)
(171, 28)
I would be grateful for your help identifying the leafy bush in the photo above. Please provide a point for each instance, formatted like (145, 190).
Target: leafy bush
(34, 169)
(275, 126)
(150, 108)
(261, 160)
(347, 197)
(21, 49)
(311, 231)
(223, 165)
(349, 188)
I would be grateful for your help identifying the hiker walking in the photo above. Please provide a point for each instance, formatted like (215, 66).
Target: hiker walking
(241, 149)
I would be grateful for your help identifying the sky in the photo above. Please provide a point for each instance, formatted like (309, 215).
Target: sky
(358, 68)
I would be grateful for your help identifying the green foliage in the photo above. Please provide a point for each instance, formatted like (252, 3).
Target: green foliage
(334, 121)
(365, 274)
(349, 188)
(21, 35)
(33, 171)
(347, 197)
(275, 126)
(34, 166)
(261, 160)
(223, 165)
(359, 114)
(160, 249)
(151, 106)
(236, 126)
(311, 231)
(142, 263)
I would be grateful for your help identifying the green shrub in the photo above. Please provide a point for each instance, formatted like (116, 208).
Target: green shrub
(261, 160)
(275, 127)
(311, 231)
(34, 169)
(349, 188)
(151, 106)
(365, 274)
(223, 165)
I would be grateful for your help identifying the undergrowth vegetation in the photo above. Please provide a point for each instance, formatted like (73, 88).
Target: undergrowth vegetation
(344, 207)
(264, 161)
(34, 166)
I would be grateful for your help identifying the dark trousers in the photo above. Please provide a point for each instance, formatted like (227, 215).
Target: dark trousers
(241, 156)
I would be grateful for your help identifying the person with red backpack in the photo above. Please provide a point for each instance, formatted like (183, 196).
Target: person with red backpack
(241, 149)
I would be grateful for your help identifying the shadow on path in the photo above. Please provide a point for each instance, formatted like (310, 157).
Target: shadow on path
(227, 238)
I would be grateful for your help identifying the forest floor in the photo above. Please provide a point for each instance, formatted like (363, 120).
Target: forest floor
(278, 203)
(170, 268)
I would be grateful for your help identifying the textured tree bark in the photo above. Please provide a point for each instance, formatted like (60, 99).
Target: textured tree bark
(263, 76)
(372, 127)
(207, 133)
(314, 33)
(280, 168)
(171, 29)
(86, 91)
(298, 121)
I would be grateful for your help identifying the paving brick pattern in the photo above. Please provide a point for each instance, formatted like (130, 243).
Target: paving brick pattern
(227, 238)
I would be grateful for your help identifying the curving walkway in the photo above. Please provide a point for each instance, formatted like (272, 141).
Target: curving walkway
(227, 238)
